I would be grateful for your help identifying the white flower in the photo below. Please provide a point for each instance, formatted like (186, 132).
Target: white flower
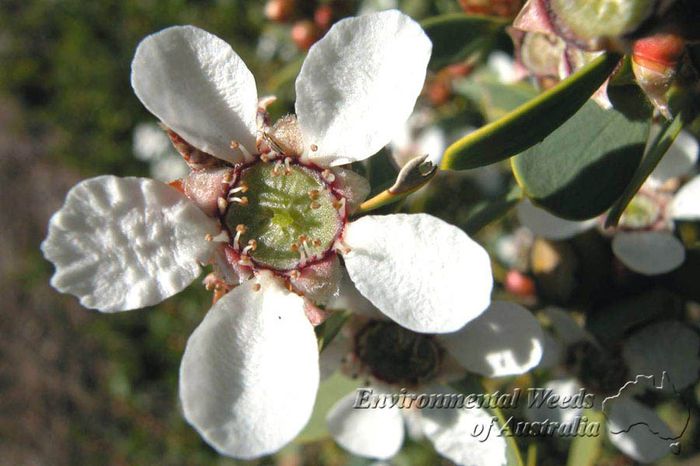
(250, 370)
(664, 351)
(644, 242)
(504, 340)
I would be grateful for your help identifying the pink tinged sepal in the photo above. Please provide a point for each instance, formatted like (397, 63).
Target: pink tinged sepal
(320, 281)
(534, 18)
(205, 188)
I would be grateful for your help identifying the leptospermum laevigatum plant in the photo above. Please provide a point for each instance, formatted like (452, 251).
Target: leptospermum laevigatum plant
(275, 210)
(268, 206)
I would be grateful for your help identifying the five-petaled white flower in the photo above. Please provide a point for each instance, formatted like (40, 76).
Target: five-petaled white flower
(268, 208)
(505, 340)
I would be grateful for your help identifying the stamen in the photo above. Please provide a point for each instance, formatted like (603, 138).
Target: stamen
(316, 243)
(328, 176)
(314, 205)
(222, 204)
(302, 253)
(237, 145)
(287, 165)
(276, 169)
(304, 240)
(294, 274)
(208, 237)
(245, 261)
(240, 200)
(314, 147)
(240, 229)
(339, 205)
(241, 188)
(229, 178)
(339, 245)
(257, 287)
(313, 194)
(266, 158)
(252, 246)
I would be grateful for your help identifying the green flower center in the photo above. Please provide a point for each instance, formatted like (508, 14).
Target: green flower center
(283, 216)
(642, 212)
(396, 355)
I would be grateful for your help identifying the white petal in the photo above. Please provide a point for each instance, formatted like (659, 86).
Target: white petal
(352, 300)
(197, 85)
(648, 252)
(359, 84)
(547, 402)
(452, 432)
(678, 160)
(125, 243)
(249, 375)
(547, 225)
(669, 347)
(371, 432)
(423, 273)
(686, 202)
(637, 430)
(505, 340)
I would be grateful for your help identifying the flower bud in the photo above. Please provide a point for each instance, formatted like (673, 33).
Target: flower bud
(279, 11)
(654, 63)
(304, 34)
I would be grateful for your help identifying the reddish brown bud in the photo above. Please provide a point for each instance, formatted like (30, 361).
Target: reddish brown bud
(323, 17)
(304, 34)
(279, 10)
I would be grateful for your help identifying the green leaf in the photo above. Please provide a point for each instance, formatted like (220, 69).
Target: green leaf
(660, 146)
(458, 36)
(584, 450)
(330, 391)
(326, 331)
(583, 167)
(493, 97)
(530, 123)
(483, 213)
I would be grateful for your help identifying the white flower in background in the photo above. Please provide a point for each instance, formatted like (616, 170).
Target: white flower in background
(644, 240)
(152, 146)
(579, 362)
(505, 340)
(268, 208)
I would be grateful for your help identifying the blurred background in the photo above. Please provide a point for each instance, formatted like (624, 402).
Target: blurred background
(79, 387)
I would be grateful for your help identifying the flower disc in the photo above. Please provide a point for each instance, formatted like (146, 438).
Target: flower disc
(289, 212)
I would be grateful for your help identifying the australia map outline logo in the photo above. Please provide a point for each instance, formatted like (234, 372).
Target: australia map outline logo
(648, 382)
